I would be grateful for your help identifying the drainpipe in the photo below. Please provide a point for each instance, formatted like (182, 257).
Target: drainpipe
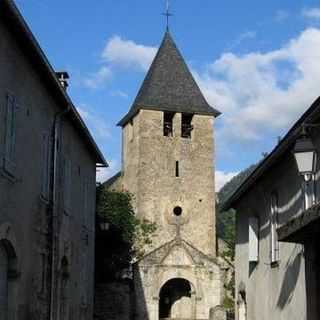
(54, 221)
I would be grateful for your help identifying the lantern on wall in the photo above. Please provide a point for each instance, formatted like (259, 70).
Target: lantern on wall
(305, 154)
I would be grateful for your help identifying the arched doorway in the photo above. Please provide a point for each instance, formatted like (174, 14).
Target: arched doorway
(177, 300)
(4, 279)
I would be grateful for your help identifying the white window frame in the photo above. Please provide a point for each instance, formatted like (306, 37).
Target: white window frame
(274, 243)
(10, 135)
(253, 239)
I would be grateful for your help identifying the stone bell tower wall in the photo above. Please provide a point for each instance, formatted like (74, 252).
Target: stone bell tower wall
(149, 172)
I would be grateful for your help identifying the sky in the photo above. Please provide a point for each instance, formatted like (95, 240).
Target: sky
(258, 62)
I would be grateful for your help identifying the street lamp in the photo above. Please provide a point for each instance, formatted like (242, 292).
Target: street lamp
(305, 155)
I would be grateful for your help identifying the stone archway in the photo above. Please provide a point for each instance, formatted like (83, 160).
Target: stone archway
(177, 300)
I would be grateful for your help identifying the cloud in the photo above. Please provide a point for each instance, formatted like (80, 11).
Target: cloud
(222, 178)
(103, 174)
(119, 93)
(263, 93)
(241, 38)
(118, 52)
(96, 123)
(128, 54)
(311, 13)
(97, 79)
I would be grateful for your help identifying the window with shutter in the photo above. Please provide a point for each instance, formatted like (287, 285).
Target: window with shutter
(253, 239)
(10, 135)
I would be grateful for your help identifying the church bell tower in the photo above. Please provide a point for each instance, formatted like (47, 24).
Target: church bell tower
(168, 165)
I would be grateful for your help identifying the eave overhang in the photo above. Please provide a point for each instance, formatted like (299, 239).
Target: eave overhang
(19, 28)
(302, 228)
(285, 145)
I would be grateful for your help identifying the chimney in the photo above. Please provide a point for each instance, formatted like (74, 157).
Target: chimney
(63, 76)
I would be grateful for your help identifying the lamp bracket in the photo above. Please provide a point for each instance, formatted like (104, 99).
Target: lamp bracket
(309, 125)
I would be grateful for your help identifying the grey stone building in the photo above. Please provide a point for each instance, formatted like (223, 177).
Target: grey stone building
(168, 165)
(277, 225)
(47, 185)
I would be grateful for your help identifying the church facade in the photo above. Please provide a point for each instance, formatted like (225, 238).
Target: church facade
(168, 166)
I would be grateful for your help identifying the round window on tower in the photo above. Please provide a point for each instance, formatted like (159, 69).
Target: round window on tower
(177, 211)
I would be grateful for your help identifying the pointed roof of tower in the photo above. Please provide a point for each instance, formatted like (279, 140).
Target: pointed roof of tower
(169, 86)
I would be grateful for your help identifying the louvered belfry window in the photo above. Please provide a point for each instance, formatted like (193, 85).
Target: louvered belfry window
(186, 125)
(168, 124)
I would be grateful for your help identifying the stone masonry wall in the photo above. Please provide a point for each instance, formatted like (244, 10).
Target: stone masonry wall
(149, 161)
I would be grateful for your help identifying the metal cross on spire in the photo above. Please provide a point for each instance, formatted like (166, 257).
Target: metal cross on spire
(168, 14)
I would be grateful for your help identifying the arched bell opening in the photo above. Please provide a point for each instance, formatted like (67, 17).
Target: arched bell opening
(177, 300)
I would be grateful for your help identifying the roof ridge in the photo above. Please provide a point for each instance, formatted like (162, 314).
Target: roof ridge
(169, 85)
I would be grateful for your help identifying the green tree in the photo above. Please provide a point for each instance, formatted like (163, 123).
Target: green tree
(126, 237)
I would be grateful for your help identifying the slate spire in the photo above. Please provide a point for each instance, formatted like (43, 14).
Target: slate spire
(169, 86)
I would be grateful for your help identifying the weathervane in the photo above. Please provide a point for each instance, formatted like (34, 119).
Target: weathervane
(168, 14)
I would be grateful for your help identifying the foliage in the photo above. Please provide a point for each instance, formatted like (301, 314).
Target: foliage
(228, 303)
(234, 183)
(226, 219)
(126, 237)
(226, 229)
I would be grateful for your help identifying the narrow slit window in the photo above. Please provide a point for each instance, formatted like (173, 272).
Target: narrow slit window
(177, 169)
(186, 125)
(168, 124)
